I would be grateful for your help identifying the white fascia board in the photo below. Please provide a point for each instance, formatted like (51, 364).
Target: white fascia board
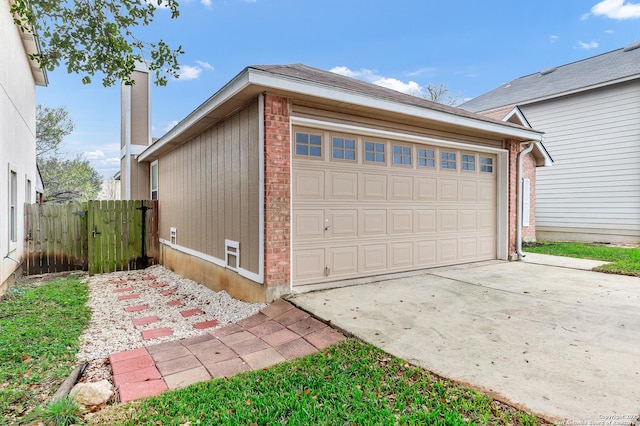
(322, 91)
(220, 97)
(516, 111)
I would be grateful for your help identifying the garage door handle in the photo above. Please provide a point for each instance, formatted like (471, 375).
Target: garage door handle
(327, 228)
(326, 225)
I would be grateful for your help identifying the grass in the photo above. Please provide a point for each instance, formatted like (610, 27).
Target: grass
(624, 261)
(63, 412)
(351, 383)
(40, 328)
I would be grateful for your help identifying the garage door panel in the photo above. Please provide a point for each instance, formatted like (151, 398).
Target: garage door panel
(309, 264)
(343, 260)
(425, 221)
(400, 255)
(486, 191)
(343, 186)
(372, 222)
(447, 251)
(447, 190)
(373, 187)
(400, 222)
(468, 248)
(487, 247)
(308, 184)
(426, 189)
(308, 224)
(468, 220)
(468, 191)
(447, 220)
(425, 253)
(343, 222)
(373, 258)
(486, 219)
(401, 188)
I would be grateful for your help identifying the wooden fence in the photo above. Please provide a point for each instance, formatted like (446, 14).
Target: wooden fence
(98, 236)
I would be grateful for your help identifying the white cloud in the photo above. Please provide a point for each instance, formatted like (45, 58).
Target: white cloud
(206, 2)
(421, 71)
(170, 126)
(553, 38)
(585, 16)
(609, 31)
(164, 4)
(411, 87)
(193, 72)
(94, 155)
(205, 65)
(617, 9)
(591, 45)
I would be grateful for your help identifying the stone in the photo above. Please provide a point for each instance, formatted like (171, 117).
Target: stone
(90, 394)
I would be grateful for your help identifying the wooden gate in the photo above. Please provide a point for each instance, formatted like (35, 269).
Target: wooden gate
(98, 236)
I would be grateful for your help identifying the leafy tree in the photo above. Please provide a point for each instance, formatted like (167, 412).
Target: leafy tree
(69, 180)
(441, 94)
(53, 124)
(64, 179)
(97, 36)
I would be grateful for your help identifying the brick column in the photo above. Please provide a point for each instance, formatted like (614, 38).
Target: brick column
(277, 188)
(514, 148)
(529, 172)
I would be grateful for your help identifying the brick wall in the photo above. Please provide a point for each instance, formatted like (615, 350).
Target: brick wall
(277, 182)
(528, 172)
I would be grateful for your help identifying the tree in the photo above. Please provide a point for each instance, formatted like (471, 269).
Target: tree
(97, 36)
(441, 94)
(64, 180)
(53, 124)
(69, 180)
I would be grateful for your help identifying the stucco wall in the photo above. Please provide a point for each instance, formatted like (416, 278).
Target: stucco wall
(17, 138)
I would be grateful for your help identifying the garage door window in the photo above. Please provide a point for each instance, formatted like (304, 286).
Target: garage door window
(426, 157)
(447, 160)
(486, 164)
(308, 145)
(344, 149)
(374, 152)
(468, 162)
(402, 155)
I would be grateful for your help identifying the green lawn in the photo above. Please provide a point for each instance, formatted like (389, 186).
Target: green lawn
(39, 335)
(625, 261)
(351, 383)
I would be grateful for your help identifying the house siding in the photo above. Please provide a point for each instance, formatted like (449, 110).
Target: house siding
(17, 139)
(208, 190)
(591, 192)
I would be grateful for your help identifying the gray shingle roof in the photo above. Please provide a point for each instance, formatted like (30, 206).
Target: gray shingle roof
(318, 76)
(608, 67)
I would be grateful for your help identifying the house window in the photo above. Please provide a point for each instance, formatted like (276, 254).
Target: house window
(402, 155)
(468, 162)
(27, 192)
(426, 157)
(154, 180)
(486, 164)
(447, 160)
(344, 149)
(308, 144)
(374, 152)
(13, 209)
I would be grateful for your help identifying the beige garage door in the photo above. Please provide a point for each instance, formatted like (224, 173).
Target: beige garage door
(364, 206)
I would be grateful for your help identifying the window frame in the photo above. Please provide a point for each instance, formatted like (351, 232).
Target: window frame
(309, 133)
(402, 155)
(490, 165)
(464, 163)
(374, 152)
(344, 149)
(153, 165)
(426, 166)
(448, 160)
(12, 223)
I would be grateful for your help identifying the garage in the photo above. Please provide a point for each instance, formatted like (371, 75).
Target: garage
(364, 206)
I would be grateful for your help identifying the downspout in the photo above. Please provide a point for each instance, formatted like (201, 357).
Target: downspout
(521, 155)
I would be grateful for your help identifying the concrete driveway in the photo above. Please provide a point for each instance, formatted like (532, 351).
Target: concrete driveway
(560, 342)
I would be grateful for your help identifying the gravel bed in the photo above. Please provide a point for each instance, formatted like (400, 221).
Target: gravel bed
(111, 328)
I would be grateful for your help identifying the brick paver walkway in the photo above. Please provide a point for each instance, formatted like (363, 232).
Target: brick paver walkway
(278, 333)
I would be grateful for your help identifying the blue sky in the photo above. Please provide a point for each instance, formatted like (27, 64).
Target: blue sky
(470, 46)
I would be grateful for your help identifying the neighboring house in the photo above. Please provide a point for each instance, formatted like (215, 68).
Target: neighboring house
(590, 113)
(291, 176)
(18, 172)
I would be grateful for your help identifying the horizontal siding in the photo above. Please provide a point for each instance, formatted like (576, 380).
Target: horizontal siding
(208, 189)
(594, 139)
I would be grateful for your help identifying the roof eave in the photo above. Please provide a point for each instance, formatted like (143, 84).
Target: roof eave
(31, 48)
(269, 81)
